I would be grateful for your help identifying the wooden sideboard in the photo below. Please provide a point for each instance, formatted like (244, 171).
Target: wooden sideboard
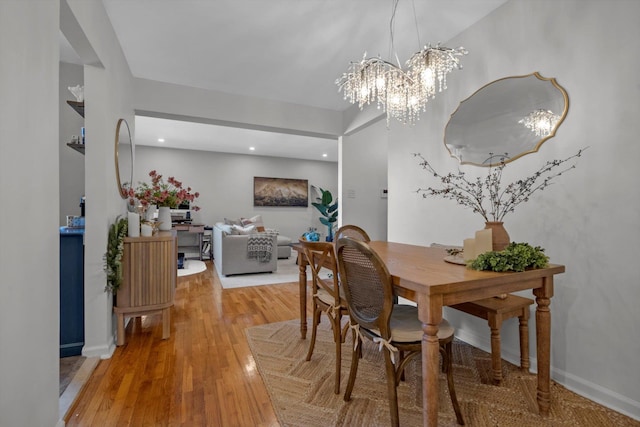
(149, 272)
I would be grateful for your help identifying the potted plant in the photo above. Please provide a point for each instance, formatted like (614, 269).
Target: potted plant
(328, 208)
(113, 256)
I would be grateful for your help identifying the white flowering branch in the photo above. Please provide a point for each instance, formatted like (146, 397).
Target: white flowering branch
(470, 194)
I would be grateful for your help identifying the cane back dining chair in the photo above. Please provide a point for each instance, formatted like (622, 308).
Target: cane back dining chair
(353, 232)
(369, 292)
(327, 297)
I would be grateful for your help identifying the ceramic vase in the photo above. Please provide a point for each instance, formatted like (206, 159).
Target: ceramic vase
(164, 217)
(150, 213)
(146, 230)
(133, 224)
(500, 239)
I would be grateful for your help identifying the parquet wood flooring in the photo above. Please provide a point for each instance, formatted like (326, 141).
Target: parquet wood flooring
(203, 375)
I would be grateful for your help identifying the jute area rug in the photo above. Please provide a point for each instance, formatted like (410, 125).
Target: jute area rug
(302, 392)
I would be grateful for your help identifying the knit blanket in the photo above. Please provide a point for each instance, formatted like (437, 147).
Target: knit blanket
(260, 246)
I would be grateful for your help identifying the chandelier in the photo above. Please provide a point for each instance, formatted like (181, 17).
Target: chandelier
(401, 94)
(541, 122)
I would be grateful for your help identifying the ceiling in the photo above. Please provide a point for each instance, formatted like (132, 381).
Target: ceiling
(206, 137)
(283, 50)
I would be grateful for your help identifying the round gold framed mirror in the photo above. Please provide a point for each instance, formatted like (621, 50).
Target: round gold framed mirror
(124, 151)
(506, 119)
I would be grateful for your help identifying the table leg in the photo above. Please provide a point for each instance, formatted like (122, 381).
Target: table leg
(495, 323)
(543, 344)
(430, 318)
(120, 329)
(524, 340)
(302, 267)
(166, 323)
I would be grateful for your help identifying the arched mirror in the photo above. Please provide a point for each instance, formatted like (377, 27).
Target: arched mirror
(124, 149)
(506, 119)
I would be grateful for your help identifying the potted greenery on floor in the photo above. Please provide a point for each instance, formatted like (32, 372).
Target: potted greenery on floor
(328, 208)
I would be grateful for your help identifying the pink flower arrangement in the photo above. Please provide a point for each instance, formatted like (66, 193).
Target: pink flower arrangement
(170, 194)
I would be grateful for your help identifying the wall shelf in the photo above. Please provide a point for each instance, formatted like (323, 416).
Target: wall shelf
(77, 106)
(78, 147)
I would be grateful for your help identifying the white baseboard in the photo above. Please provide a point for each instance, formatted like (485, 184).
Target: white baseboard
(584, 388)
(598, 394)
(101, 351)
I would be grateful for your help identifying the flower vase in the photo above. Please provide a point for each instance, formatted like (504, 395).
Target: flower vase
(150, 213)
(500, 237)
(164, 217)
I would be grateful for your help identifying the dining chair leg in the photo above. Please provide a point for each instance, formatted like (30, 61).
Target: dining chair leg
(447, 366)
(391, 389)
(315, 322)
(355, 358)
(337, 338)
(345, 330)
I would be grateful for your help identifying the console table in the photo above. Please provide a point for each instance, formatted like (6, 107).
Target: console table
(149, 272)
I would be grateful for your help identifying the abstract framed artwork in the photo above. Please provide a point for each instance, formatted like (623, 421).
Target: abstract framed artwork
(280, 192)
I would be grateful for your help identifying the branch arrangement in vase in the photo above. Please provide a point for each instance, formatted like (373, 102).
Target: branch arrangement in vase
(500, 201)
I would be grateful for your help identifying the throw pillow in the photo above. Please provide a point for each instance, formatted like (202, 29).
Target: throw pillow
(255, 221)
(228, 229)
(232, 221)
(238, 229)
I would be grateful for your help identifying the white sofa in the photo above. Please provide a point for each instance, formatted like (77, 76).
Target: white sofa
(230, 253)
(284, 246)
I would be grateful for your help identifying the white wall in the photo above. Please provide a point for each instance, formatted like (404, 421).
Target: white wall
(72, 174)
(225, 183)
(158, 99)
(29, 309)
(587, 220)
(364, 175)
(108, 97)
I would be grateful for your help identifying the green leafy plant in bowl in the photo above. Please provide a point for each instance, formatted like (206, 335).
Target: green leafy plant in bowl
(515, 257)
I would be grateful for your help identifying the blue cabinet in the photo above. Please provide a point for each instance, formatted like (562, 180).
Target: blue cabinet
(71, 291)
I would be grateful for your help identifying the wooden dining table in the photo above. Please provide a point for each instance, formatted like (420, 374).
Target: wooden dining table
(422, 275)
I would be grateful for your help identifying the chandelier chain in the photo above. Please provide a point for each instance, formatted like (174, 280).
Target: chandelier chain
(415, 21)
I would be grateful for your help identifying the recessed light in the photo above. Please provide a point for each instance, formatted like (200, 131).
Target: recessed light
(324, 154)
(160, 139)
(252, 148)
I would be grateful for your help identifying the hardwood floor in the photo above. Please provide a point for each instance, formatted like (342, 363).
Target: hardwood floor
(203, 375)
